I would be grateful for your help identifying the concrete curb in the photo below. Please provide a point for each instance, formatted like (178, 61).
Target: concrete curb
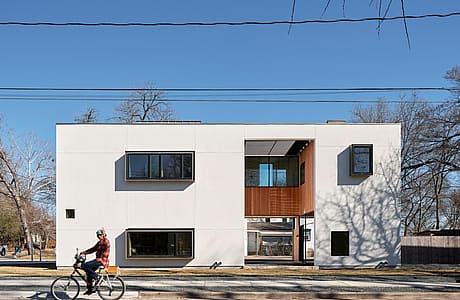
(297, 295)
(8, 295)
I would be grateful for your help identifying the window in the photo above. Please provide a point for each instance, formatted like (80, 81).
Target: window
(271, 171)
(153, 243)
(361, 160)
(340, 243)
(159, 165)
(302, 173)
(70, 213)
(307, 234)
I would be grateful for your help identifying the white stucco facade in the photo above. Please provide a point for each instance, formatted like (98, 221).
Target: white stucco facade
(91, 181)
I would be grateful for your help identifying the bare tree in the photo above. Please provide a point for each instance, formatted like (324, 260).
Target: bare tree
(145, 104)
(429, 155)
(379, 113)
(10, 229)
(89, 116)
(27, 177)
(453, 75)
(382, 7)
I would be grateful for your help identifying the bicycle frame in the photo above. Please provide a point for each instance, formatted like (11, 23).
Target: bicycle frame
(110, 286)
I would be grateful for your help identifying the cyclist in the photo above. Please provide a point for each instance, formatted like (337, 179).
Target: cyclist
(102, 249)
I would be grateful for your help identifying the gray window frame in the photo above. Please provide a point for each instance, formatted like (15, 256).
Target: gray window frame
(362, 158)
(161, 177)
(70, 213)
(159, 230)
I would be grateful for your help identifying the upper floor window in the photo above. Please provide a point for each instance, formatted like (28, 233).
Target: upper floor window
(270, 171)
(159, 165)
(361, 159)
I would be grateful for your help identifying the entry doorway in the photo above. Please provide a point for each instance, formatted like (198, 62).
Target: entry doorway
(306, 239)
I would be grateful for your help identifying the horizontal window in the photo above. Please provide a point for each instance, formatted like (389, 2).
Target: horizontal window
(159, 165)
(271, 171)
(153, 243)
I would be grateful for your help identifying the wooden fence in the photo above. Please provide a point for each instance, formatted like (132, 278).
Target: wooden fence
(430, 250)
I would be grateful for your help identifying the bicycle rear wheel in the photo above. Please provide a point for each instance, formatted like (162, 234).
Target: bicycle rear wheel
(112, 288)
(65, 288)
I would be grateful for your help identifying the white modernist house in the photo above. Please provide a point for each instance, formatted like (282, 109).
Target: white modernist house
(179, 194)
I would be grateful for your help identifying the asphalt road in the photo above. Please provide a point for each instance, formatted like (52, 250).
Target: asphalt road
(257, 287)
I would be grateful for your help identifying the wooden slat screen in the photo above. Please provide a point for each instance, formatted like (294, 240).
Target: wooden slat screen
(307, 190)
(271, 201)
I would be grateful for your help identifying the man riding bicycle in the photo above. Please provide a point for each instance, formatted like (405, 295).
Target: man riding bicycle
(102, 249)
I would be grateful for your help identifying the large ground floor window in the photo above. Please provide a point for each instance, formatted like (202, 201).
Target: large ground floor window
(160, 243)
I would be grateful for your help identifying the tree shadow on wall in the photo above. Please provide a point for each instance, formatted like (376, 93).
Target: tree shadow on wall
(368, 208)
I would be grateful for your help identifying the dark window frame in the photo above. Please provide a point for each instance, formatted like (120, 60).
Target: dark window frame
(272, 176)
(129, 256)
(338, 237)
(70, 213)
(354, 157)
(161, 156)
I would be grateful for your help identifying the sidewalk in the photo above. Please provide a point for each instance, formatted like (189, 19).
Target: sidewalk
(257, 287)
(245, 296)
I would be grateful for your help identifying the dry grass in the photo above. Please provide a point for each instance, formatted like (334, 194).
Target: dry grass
(48, 255)
(247, 271)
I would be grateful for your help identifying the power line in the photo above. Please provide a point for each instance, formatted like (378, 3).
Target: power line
(208, 100)
(173, 94)
(449, 89)
(243, 23)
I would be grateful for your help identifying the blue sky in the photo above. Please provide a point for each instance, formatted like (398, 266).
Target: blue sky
(310, 56)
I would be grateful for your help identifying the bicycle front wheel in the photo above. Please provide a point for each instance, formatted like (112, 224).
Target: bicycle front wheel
(111, 288)
(65, 288)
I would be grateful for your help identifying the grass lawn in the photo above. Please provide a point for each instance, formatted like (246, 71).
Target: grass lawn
(247, 271)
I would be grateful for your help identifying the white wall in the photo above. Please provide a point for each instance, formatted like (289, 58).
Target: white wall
(366, 207)
(90, 179)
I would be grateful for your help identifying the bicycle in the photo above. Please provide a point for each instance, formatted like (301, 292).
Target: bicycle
(110, 286)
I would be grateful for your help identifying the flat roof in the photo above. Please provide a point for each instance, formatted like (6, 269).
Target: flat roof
(226, 123)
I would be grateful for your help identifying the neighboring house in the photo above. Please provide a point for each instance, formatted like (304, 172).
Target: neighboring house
(180, 193)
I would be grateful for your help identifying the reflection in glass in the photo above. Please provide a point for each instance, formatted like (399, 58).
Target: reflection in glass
(138, 166)
(160, 244)
(271, 171)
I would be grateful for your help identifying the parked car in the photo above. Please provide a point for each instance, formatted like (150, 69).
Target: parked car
(3, 250)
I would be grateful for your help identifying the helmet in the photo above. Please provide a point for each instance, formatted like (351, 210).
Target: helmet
(100, 232)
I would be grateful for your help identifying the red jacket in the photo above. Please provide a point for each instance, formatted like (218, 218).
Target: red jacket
(102, 249)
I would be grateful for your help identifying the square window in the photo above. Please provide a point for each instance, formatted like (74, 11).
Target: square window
(340, 243)
(361, 161)
(70, 213)
(138, 166)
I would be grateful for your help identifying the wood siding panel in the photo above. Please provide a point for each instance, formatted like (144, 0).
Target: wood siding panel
(271, 201)
(430, 250)
(307, 190)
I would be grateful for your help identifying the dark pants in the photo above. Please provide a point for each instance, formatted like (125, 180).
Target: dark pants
(90, 267)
